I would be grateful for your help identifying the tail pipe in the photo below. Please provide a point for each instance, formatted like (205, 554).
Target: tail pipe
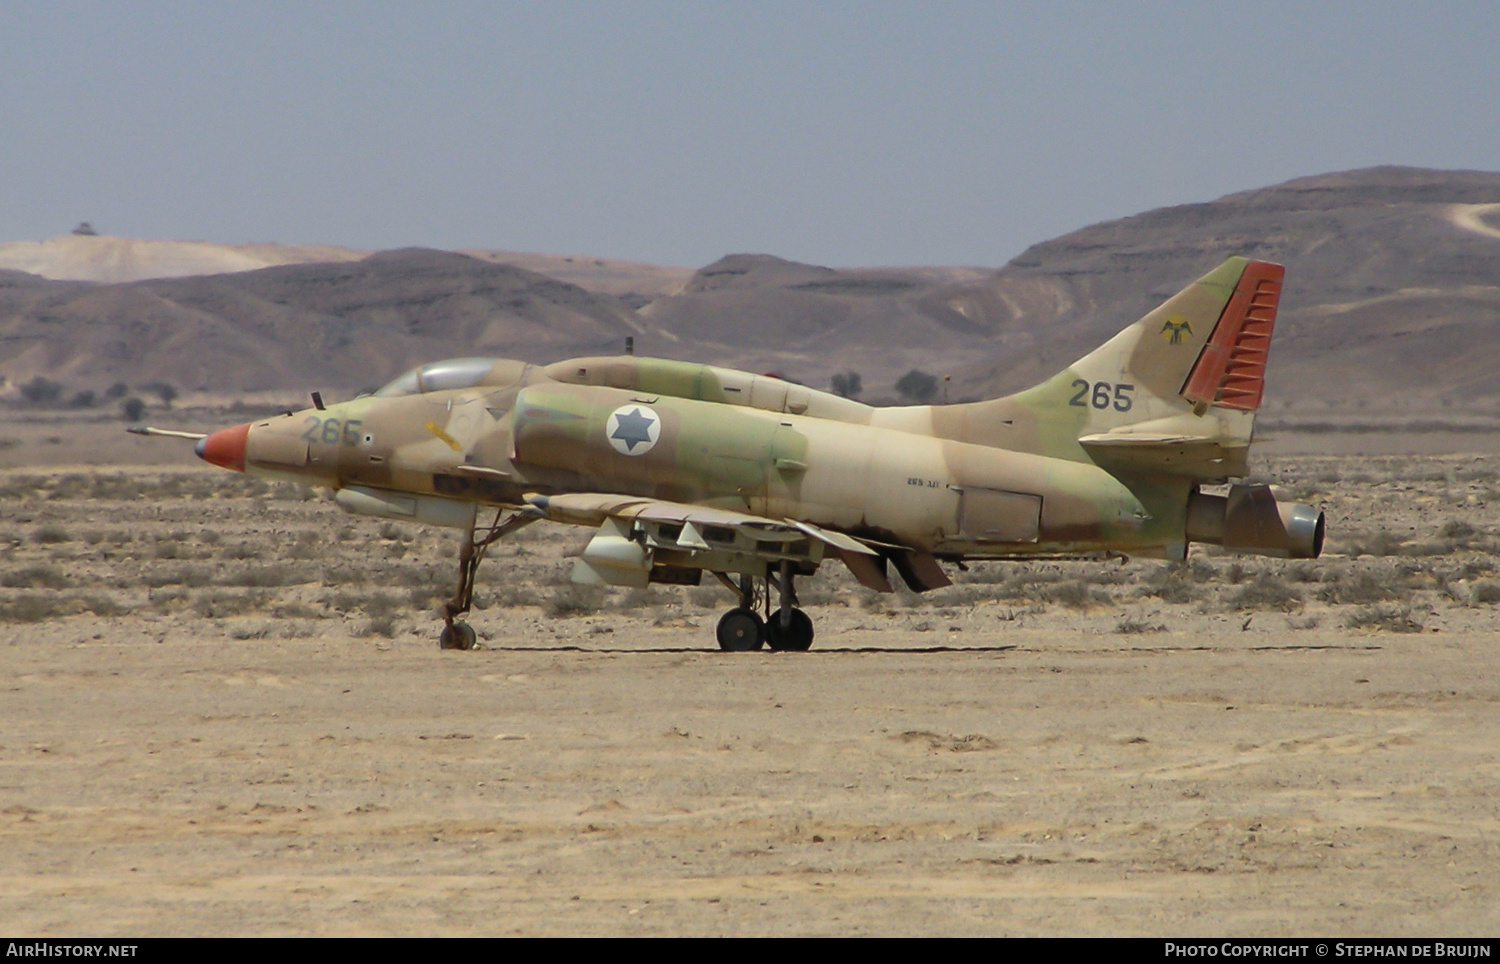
(1250, 520)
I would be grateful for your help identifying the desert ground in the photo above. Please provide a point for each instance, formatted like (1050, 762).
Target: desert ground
(225, 713)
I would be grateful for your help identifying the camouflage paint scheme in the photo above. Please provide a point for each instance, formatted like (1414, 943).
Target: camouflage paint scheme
(687, 467)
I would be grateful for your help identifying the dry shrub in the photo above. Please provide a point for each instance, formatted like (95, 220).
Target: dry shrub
(1173, 591)
(1375, 544)
(1475, 567)
(377, 626)
(309, 546)
(291, 492)
(1130, 627)
(169, 600)
(904, 596)
(415, 576)
(964, 595)
(988, 573)
(509, 595)
(1111, 575)
(181, 576)
(423, 598)
(20, 487)
(710, 595)
(218, 604)
(1180, 582)
(1388, 619)
(1304, 572)
(1024, 578)
(575, 600)
(264, 576)
(38, 607)
(345, 575)
(36, 577)
(1478, 473)
(638, 599)
(1363, 589)
(48, 535)
(1267, 591)
(1457, 529)
(374, 604)
(381, 604)
(1485, 593)
(1075, 594)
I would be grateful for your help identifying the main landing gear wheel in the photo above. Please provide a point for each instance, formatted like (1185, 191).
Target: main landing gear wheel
(457, 636)
(741, 630)
(796, 637)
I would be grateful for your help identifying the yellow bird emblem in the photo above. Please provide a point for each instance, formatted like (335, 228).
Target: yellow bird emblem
(1175, 327)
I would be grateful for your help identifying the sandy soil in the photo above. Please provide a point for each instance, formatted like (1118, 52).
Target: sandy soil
(1031, 782)
(222, 711)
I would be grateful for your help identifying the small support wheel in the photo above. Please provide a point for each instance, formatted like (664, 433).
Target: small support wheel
(740, 631)
(457, 636)
(796, 637)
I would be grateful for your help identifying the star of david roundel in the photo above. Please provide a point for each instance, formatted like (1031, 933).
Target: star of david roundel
(633, 429)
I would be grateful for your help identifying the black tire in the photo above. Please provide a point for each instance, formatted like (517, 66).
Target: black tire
(458, 636)
(740, 631)
(796, 637)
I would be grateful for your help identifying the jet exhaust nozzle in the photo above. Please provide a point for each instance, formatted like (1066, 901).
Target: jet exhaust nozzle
(1250, 520)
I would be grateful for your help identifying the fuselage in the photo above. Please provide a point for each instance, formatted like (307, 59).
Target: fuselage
(713, 437)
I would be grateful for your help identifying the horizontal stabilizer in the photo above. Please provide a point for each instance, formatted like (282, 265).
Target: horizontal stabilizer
(1199, 457)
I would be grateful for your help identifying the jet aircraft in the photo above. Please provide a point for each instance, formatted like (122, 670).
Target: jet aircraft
(685, 469)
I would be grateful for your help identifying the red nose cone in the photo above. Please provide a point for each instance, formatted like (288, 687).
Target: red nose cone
(225, 448)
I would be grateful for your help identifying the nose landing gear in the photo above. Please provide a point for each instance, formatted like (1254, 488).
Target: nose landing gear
(460, 635)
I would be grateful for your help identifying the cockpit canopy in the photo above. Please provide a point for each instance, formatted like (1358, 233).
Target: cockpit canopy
(454, 373)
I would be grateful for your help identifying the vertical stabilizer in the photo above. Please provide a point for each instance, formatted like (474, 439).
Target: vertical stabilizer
(1176, 391)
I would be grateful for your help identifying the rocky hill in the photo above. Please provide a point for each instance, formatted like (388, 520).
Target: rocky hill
(91, 257)
(1393, 293)
(1392, 287)
(338, 326)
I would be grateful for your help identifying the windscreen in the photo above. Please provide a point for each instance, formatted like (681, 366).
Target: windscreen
(439, 376)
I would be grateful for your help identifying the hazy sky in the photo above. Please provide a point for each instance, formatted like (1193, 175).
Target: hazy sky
(835, 133)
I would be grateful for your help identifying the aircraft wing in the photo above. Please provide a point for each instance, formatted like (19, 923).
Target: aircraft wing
(640, 537)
